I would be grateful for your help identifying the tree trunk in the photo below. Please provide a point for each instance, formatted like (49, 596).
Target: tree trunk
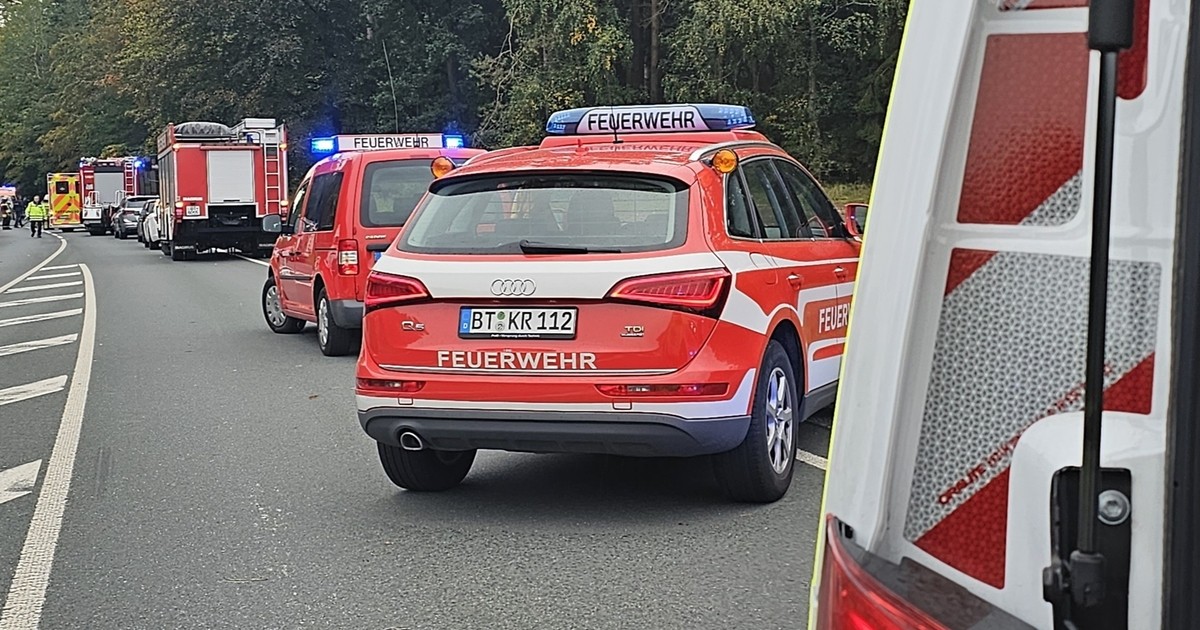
(812, 73)
(635, 74)
(656, 93)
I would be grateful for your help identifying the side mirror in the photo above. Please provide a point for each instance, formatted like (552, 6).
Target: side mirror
(856, 215)
(272, 224)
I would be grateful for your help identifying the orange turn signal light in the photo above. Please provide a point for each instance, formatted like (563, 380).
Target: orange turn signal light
(441, 166)
(724, 161)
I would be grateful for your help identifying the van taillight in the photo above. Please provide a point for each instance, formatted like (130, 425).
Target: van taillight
(702, 292)
(851, 599)
(348, 257)
(385, 289)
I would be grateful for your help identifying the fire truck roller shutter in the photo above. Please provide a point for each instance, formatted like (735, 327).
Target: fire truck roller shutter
(230, 177)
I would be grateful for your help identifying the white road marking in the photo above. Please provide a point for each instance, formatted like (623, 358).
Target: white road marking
(253, 260)
(57, 285)
(10, 395)
(40, 317)
(28, 346)
(41, 300)
(816, 461)
(27, 592)
(54, 275)
(18, 482)
(62, 244)
(55, 268)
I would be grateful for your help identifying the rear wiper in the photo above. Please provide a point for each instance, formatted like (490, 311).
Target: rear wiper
(536, 247)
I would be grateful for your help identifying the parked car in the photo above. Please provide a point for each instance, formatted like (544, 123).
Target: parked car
(113, 218)
(146, 212)
(151, 231)
(126, 218)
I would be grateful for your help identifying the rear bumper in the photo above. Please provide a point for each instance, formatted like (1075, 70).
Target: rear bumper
(346, 313)
(630, 434)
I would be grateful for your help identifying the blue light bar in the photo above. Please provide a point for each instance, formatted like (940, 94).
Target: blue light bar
(323, 146)
(454, 142)
(632, 119)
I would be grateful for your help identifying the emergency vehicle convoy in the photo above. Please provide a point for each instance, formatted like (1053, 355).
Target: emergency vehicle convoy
(106, 182)
(65, 201)
(648, 281)
(217, 183)
(973, 481)
(347, 210)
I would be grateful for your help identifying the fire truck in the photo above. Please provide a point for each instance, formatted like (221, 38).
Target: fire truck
(106, 183)
(62, 194)
(217, 183)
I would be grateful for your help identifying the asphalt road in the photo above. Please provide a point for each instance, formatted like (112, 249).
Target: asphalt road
(221, 481)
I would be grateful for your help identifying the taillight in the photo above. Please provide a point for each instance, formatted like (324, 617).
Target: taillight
(178, 209)
(692, 389)
(702, 292)
(384, 387)
(851, 599)
(348, 257)
(385, 289)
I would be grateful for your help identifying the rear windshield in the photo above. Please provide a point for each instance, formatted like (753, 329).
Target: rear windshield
(587, 211)
(392, 189)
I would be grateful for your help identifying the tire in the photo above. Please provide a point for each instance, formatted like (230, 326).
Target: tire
(165, 246)
(761, 468)
(333, 340)
(95, 231)
(427, 470)
(277, 320)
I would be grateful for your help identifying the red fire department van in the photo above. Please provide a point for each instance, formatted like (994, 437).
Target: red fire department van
(217, 183)
(649, 281)
(1016, 443)
(349, 208)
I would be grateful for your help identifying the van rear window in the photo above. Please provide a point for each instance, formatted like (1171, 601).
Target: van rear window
(581, 211)
(392, 189)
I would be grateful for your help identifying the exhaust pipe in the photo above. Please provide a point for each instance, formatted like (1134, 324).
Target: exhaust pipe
(410, 441)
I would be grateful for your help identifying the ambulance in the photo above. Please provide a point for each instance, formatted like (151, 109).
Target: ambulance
(1016, 441)
(657, 281)
(65, 200)
(347, 210)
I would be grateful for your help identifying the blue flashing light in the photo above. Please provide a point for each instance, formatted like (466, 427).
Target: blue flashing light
(454, 142)
(139, 164)
(634, 119)
(323, 146)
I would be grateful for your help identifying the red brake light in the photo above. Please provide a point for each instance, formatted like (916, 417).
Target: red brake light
(348, 257)
(694, 389)
(851, 599)
(383, 387)
(385, 289)
(702, 292)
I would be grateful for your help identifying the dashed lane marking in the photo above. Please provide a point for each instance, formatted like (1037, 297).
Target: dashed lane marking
(50, 276)
(27, 592)
(62, 244)
(29, 346)
(253, 260)
(18, 481)
(40, 317)
(40, 287)
(816, 461)
(18, 393)
(41, 300)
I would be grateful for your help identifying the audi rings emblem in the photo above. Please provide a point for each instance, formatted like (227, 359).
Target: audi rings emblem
(509, 287)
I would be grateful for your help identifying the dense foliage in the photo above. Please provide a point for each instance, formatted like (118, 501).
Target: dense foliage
(102, 77)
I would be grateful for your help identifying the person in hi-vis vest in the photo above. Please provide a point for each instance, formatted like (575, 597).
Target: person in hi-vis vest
(36, 213)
